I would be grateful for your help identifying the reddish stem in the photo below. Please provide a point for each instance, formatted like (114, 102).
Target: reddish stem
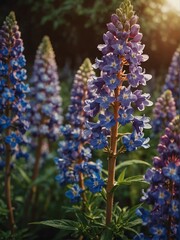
(112, 163)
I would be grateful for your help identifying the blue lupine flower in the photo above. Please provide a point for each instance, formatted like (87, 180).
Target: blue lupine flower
(120, 47)
(132, 142)
(74, 152)
(136, 77)
(8, 95)
(95, 183)
(144, 214)
(164, 111)
(126, 97)
(142, 100)
(174, 208)
(105, 100)
(159, 231)
(13, 140)
(140, 123)
(112, 81)
(5, 122)
(74, 194)
(106, 120)
(125, 116)
(171, 171)
(46, 112)
(163, 192)
(122, 54)
(13, 103)
(161, 195)
(173, 78)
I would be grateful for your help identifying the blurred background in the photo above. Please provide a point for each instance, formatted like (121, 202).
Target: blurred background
(76, 28)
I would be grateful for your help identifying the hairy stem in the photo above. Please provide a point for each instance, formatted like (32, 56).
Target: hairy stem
(112, 164)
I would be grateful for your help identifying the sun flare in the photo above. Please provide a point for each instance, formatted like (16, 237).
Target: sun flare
(173, 5)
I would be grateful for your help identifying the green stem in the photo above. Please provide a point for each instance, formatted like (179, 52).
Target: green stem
(112, 164)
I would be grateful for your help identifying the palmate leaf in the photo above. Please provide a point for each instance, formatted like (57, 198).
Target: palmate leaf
(64, 224)
(130, 163)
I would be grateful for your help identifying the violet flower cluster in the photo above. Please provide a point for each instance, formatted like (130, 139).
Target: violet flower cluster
(74, 165)
(46, 113)
(13, 89)
(172, 81)
(163, 220)
(116, 94)
(164, 111)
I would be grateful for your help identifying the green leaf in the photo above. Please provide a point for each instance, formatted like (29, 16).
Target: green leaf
(131, 162)
(135, 222)
(121, 176)
(105, 172)
(131, 230)
(128, 181)
(23, 174)
(64, 224)
(106, 235)
(134, 179)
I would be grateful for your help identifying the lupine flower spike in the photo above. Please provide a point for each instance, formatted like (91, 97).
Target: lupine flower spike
(13, 104)
(172, 81)
(164, 111)
(46, 113)
(116, 94)
(74, 166)
(163, 220)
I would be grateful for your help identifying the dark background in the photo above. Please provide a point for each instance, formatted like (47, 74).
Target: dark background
(76, 28)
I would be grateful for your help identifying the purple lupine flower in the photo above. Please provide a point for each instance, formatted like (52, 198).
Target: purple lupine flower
(115, 93)
(164, 111)
(46, 113)
(163, 219)
(74, 151)
(13, 120)
(172, 81)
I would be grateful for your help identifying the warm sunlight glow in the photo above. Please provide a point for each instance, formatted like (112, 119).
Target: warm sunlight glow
(173, 5)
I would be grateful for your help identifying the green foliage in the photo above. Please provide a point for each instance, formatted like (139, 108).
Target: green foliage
(90, 223)
(131, 163)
